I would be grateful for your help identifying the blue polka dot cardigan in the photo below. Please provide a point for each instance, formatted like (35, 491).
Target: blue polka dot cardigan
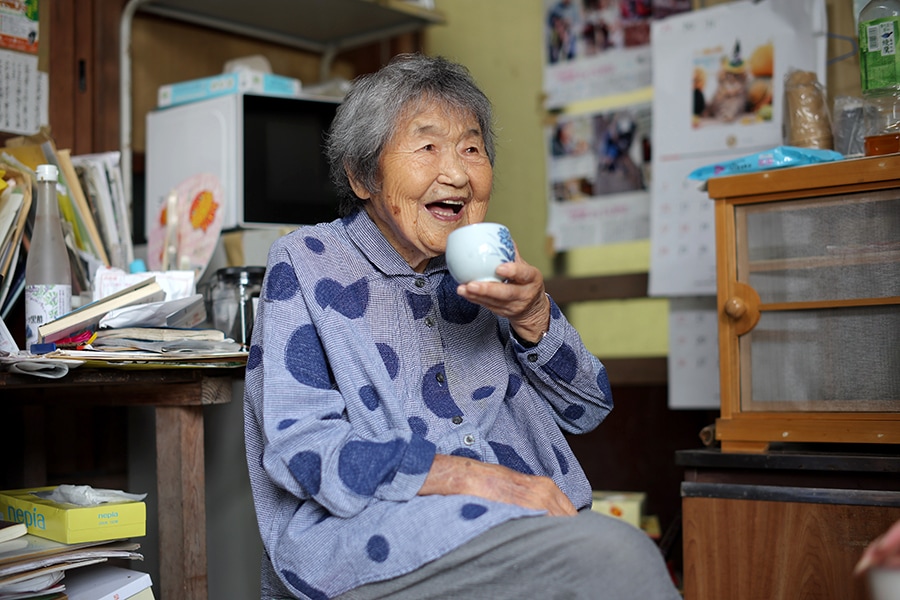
(360, 370)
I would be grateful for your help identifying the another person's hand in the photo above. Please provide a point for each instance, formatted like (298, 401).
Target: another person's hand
(521, 299)
(884, 551)
(459, 475)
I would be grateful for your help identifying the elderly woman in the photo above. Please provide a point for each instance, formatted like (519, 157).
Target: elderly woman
(405, 432)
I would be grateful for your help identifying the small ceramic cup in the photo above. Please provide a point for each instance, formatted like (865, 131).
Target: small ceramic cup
(475, 251)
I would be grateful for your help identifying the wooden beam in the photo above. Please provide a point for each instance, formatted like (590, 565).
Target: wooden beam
(607, 287)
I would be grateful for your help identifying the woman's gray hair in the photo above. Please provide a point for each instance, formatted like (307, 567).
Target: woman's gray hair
(366, 119)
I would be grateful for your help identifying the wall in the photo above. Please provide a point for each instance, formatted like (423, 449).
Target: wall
(501, 42)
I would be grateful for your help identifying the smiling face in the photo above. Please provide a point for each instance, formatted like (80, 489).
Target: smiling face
(435, 178)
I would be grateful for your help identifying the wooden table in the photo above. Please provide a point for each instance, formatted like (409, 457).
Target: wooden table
(178, 396)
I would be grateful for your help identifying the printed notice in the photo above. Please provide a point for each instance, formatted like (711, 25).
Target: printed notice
(23, 93)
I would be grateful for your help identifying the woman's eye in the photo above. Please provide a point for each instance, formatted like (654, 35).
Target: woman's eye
(428, 147)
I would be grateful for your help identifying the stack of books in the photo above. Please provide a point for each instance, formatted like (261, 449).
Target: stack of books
(93, 208)
(137, 324)
(35, 567)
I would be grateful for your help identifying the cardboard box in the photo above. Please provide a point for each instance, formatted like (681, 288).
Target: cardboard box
(628, 506)
(72, 524)
(239, 82)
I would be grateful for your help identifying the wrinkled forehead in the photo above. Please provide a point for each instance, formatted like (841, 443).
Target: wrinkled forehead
(450, 109)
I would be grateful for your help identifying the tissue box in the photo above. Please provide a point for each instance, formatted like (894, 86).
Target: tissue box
(628, 506)
(239, 82)
(72, 524)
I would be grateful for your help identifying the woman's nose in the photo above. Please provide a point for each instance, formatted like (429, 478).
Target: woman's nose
(453, 169)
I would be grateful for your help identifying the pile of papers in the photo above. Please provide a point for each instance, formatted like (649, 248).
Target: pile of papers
(34, 567)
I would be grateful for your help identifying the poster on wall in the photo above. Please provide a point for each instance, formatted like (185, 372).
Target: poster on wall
(717, 94)
(19, 25)
(599, 47)
(599, 175)
(23, 88)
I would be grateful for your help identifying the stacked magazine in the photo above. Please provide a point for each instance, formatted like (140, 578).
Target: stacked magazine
(34, 567)
(93, 207)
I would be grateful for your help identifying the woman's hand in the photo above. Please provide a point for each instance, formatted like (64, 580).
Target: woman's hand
(458, 475)
(521, 299)
(883, 552)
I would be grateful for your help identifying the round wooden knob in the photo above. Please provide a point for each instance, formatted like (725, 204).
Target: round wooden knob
(735, 308)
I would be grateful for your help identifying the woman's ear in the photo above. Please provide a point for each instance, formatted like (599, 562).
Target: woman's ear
(358, 189)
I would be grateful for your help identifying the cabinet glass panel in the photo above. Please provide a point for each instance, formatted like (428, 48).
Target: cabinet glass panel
(841, 359)
(840, 248)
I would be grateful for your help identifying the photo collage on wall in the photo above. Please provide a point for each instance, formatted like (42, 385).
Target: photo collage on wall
(596, 82)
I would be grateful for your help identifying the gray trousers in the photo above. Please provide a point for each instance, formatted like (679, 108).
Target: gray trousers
(588, 557)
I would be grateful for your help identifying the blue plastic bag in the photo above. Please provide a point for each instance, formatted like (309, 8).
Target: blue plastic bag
(777, 158)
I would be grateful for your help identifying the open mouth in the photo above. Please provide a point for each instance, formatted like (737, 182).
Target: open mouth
(446, 208)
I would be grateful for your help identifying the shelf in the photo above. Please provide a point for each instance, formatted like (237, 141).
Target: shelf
(837, 259)
(321, 26)
(314, 25)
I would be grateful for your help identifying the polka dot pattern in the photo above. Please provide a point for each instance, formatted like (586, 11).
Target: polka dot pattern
(562, 366)
(314, 244)
(304, 359)
(513, 385)
(508, 457)
(363, 466)
(306, 467)
(321, 277)
(378, 548)
(454, 308)
(436, 393)
(472, 511)
(483, 392)
(301, 586)
(390, 358)
(603, 380)
(254, 357)
(466, 453)
(350, 301)
(555, 313)
(281, 282)
(561, 459)
(418, 426)
(369, 396)
(573, 412)
(418, 457)
(285, 423)
(419, 304)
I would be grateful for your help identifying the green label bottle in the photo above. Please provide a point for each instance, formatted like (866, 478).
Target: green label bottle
(879, 61)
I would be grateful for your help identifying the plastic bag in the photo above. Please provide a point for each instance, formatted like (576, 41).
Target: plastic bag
(807, 119)
(782, 156)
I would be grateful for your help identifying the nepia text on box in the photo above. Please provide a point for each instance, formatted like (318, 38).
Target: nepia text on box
(72, 524)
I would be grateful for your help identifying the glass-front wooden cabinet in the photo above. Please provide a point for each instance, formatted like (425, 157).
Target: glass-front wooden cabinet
(808, 272)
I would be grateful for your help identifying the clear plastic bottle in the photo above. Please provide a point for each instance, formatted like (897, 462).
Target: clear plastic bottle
(879, 72)
(48, 276)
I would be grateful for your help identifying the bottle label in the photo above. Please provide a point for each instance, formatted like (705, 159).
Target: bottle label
(44, 303)
(879, 63)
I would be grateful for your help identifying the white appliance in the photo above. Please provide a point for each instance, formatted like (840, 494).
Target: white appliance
(266, 151)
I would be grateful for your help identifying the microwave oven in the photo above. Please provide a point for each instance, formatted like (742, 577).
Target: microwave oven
(266, 151)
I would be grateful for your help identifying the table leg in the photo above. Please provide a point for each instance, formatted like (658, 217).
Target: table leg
(182, 503)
